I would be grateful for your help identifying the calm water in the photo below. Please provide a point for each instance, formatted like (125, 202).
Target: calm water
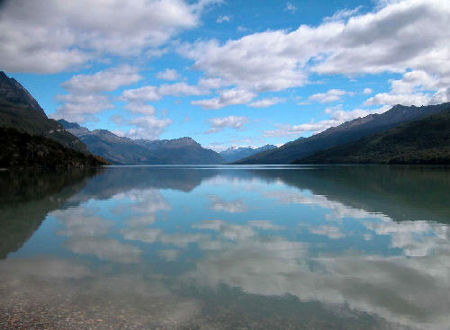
(226, 247)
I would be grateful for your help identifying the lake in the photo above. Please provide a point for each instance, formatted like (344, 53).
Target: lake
(226, 247)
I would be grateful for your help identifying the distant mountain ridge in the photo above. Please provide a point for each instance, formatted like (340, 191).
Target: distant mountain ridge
(233, 154)
(123, 150)
(347, 132)
(422, 141)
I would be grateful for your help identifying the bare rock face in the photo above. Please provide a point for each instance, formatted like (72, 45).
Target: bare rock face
(13, 92)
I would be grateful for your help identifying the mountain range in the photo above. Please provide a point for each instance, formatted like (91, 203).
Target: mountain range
(233, 154)
(347, 132)
(28, 138)
(123, 150)
(401, 135)
(422, 141)
(19, 110)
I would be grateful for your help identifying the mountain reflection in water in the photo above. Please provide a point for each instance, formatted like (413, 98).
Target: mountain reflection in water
(345, 247)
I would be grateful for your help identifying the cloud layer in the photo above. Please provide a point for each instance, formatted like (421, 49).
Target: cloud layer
(51, 36)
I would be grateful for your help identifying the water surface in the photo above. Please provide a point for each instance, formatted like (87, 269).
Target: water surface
(258, 247)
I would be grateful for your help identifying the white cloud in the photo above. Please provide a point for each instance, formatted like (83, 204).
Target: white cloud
(181, 89)
(409, 35)
(147, 127)
(218, 124)
(226, 97)
(404, 99)
(222, 19)
(290, 7)
(142, 94)
(337, 117)
(342, 14)
(330, 96)
(211, 83)
(414, 89)
(85, 98)
(155, 93)
(168, 74)
(81, 108)
(53, 35)
(267, 102)
(102, 81)
(286, 130)
(140, 107)
(367, 91)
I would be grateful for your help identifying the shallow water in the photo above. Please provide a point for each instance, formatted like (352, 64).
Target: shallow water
(258, 247)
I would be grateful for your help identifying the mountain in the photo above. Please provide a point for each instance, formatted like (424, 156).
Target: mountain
(22, 150)
(181, 151)
(423, 141)
(233, 154)
(347, 132)
(19, 110)
(122, 150)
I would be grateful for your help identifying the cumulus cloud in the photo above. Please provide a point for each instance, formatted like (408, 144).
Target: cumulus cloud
(168, 74)
(54, 35)
(414, 88)
(103, 81)
(146, 127)
(155, 93)
(330, 96)
(337, 117)
(400, 36)
(342, 14)
(222, 19)
(140, 107)
(392, 99)
(290, 7)
(219, 124)
(226, 97)
(367, 91)
(85, 96)
(81, 108)
(267, 102)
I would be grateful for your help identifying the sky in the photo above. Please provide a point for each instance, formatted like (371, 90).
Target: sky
(226, 72)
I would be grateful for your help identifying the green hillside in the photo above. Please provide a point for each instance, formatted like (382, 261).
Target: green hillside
(347, 132)
(424, 141)
(22, 150)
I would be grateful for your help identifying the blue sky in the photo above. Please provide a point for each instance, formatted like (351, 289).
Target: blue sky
(226, 72)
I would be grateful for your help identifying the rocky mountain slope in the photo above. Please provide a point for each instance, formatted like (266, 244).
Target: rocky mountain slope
(233, 154)
(423, 141)
(347, 132)
(122, 150)
(19, 110)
